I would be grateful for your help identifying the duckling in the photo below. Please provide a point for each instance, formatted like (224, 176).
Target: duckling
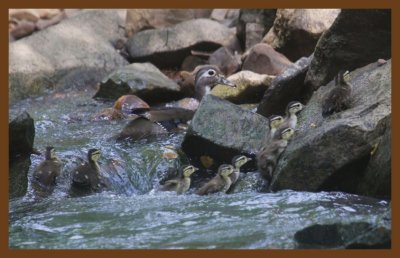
(220, 183)
(292, 109)
(181, 183)
(268, 155)
(339, 98)
(49, 169)
(274, 123)
(238, 161)
(207, 78)
(86, 176)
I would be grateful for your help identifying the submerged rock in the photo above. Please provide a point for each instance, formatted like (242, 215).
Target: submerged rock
(250, 87)
(167, 47)
(289, 86)
(141, 79)
(221, 130)
(21, 135)
(263, 59)
(296, 31)
(79, 54)
(332, 153)
(356, 38)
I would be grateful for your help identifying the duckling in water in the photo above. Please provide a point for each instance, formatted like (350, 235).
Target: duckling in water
(48, 170)
(220, 183)
(339, 98)
(290, 119)
(268, 155)
(181, 183)
(86, 177)
(238, 161)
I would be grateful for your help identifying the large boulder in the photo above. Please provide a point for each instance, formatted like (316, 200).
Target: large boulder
(356, 38)
(227, 62)
(289, 86)
(263, 59)
(253, 24)
(75, 53)
(141, 79)
(167, 47)
(296, 31)
(219, 130)
(332, 153)
(250, 87)
(21, 132)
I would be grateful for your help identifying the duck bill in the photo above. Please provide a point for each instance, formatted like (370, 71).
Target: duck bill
(223, 81)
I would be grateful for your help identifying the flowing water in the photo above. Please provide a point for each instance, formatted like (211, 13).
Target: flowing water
(133, 214)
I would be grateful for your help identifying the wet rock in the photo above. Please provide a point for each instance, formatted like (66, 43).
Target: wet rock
(296, 31)
(377, 179)
(356, 235)
(129, 104)
(18, 176)
(167, 47)
(249, 182)
(141, 79)
(21, 135)
(142, 19)
(191, 62)
(332, 153)
(289, 86)
(225, 61)
(22, 29)
(108, 114)
(220, 130)
(263, 59)
(140, 128)
(250, 87)
(250, 23)
(79, 54)
(356, 38)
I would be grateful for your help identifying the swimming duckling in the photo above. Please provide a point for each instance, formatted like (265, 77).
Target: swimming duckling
(292, 109)
(238, 161)
(339, 98)
(49, 169)
(268, 155)
(220, 183)
(207, 78)
(181, 183)
(87, 176)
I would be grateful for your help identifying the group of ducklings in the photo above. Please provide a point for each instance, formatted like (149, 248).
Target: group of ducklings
(86, 177)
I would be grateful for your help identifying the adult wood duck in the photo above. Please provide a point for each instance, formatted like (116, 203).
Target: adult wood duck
(86, 177)
(290, 119)
(268, 155)
(338, 98)
(181, 183)
(48, 170)
(164, 119)
(220, 183)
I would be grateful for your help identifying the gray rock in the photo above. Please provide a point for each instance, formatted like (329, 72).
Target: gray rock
(21, 135)
(141, 79)
(332, 153)
(167, 47)
(356, 38)
(220, 130)
(225, 61)
(356, 235)
(18, 176)
(377, 179)
(249, 182)
(74, 53)
(191, 62)
(289, 86)
(296, 31)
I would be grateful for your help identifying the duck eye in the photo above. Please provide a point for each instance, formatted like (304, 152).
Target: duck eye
(211, 72)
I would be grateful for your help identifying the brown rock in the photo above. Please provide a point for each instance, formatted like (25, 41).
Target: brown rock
(48, 13)
(23, 28)
(42, 24)
(254, 34)
(130, 103)
(263, 59)
(31, 15)
(225, 61)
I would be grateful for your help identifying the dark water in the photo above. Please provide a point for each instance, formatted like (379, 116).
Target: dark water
(135, 215)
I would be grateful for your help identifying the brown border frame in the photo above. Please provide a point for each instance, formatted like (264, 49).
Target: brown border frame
(391, 4)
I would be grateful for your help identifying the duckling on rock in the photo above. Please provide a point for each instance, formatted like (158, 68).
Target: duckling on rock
(48, 170)
(181, 183)
(268, 155)
(339, 98)
(220, 183)
(238, 161)
(290, 119)
(86, 177)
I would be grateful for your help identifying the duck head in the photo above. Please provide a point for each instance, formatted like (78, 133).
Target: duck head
(207, 78)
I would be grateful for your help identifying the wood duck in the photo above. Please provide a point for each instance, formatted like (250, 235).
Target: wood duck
(274, 122)
(49, 169)
(290, 119)
(220, 183)
(86, 177)
(268, 155)
(181, 183)
(238, 161)
(338, 98)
